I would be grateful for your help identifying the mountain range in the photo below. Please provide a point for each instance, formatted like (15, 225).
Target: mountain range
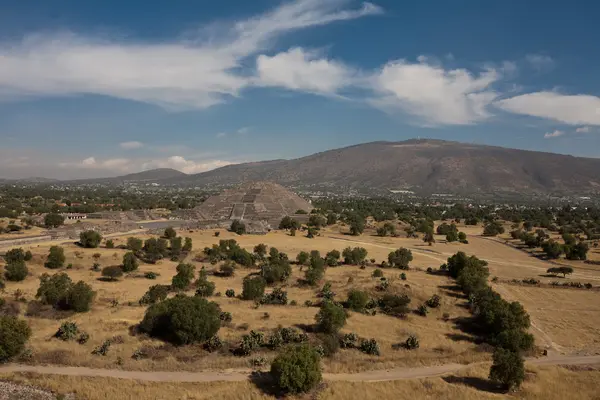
(422, 165)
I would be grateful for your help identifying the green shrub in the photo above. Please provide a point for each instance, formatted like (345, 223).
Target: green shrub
(330, 344)
(412, 343)
(400, 258)
(238, 227)
(354, 256)
(110, 244)
(213, 344)
(170, 233)
(90, 239)
(251, 342)
(79, 298)
(369, 347)
(507, 369)
(330, 318)
(395, 305)
(14, 333)
(277, 296)
(230, 293)
(112, 273)
(56, 258)
(183, 279)
(134, 244)
(150, 275)
(357, 300)
(182, 320)
(377, 273)
(67, 331)
(155, 294)
(422, 310)
(16, 271)
(302, 258)
(227, 269)
(434, 301)
(326, 292)
(403, 276)
(15, 255)
(204, 288)
(83, 338)
(53, 289)
(226, 316)
(514, 340)
(349, 340)
(253, 287)
(102, 350)
(297, 369)
(130, 262)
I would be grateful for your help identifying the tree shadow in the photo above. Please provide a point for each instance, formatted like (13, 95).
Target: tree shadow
(460, 337)
(306, 328)
(454, 288)
(485, 385)
(266, 384)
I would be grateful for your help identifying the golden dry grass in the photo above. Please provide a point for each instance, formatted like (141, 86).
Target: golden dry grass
(438, 345)
(542, 383)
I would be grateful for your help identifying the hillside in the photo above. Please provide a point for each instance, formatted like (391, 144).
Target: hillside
(426, 166)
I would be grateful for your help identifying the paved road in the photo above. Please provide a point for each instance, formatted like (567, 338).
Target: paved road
(237, 375)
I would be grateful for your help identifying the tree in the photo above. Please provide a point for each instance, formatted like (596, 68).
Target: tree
(317, 221)
(332, 258)
(354, 256)
(493, 229)
(134, 244)
(428, 237)
(182, 320)
(357, 300)
(14, 333)
(187, 244)
(16, 271)
(508, 369)
(297, 369)
(253, 287)
(130, 262)
(155, 294)
(170, 233)
(53, 288)
(53, 220)
(452, 236)
(56, 258)
(176, 246)
(560, 270)
(110, 244)
(331, 219)
(514, 340)
(14, 255)
(112, 273)
(576, 251)
(302, 258)
(400, 258)
(552, 249)
(204, 288)
(288, 222)
(357, 224)
(462, 237)
(330, 318)
(460, 260)
(238, 227)
(80, 297)
(184, 277)
(260, 250)
(90, 239)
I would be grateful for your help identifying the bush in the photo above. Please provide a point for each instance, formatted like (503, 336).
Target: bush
(250, 343)
(170, 233)
(16, 271)
(204, 288)
(349, 340)
(53, 289)
(369, 347)
(330, 344)
(302, 258)
(357, 300)
(434, 301)
(493, 229)
(226, 316)
(14, 333)
(412, 343)
(507, 369)
(112, 273)
(213, 344)
(134, 244)
(130, 262)
(227, 269)
(53, 220)
(354, 256)
(276, 271)
(377, 273)
(332, 258)
(79, 298)
(150, 275)
(326, 292)
(422, 310)
(90, 239)
(83, 338)
(395, 305)
(15, 255)
(110, 244)
(102, 350)
(183, 279)
(155, 294)
(56, 258)
(230, 293)
(277, 296)
(400, 258)
(297, 369)
(182, 320)
(253, 288)
(330, 318)
(67, 331)
(403, 276)
(238, 227)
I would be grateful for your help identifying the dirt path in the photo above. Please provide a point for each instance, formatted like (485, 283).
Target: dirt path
(242, 375)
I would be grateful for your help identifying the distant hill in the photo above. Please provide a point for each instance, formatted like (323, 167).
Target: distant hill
(153, 175)
(425, 166)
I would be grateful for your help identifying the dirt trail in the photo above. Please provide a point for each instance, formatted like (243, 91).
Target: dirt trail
(237, 375)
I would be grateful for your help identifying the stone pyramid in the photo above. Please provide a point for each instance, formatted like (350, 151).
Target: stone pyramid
(254, 201)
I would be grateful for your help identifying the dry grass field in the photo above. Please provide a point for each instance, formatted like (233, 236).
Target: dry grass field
(542, 383)
(565, 320)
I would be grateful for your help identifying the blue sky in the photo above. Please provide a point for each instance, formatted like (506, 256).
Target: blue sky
(100, 88)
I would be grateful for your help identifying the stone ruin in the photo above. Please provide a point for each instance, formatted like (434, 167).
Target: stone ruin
(260, 205)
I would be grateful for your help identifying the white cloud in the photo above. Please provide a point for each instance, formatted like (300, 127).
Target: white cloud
(184, 165)
(131, 145)
(539, 61)
(192, 74)
(569, 109)
(298, 69)
(436, 95)
(243, 130)
(554, 134)
(221, 134)
(89, 161)
(583, 129)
